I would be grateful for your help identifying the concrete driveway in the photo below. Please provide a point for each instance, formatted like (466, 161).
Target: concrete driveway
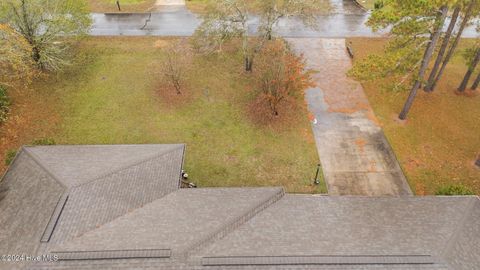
(355, 156)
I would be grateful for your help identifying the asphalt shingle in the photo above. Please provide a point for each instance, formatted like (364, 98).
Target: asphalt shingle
(120, 207)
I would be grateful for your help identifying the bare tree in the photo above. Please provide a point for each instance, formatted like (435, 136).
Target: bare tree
(174, 66)
(271, 11)
(231, 18)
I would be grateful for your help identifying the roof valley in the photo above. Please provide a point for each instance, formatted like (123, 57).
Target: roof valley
(231, 225)
(37, 160)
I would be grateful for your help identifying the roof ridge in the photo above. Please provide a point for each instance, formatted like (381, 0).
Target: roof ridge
(121, 168)
(37, 160)
(232, 224)
(452, 239)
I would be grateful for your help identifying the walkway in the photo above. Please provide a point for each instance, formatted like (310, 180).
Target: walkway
(356, 157)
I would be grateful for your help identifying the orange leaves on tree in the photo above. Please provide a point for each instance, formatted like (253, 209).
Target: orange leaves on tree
(280, 76)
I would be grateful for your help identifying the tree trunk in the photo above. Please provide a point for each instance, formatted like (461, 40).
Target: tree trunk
(476, 83)
(469, 73)
(426, 60)
(468, 14)
(248, 63)
(443, 49)
(36, 54)
(118, 5)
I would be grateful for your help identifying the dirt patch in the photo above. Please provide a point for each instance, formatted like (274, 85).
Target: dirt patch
(420, 189)
(32, 116)
(261, 114)
(169, 98)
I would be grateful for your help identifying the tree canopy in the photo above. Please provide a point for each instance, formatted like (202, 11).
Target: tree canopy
(48, 26)
(419, 39)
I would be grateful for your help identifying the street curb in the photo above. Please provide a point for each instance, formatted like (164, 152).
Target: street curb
(361, 6)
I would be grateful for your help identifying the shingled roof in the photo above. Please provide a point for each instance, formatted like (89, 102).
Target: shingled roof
(120, 207)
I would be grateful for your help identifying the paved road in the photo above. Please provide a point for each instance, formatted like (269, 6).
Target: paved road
(356, 157)
(178, 21)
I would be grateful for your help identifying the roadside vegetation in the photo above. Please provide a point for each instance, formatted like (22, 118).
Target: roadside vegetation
(255, 6)
(439, 144)
(114, 93)
(107, 6)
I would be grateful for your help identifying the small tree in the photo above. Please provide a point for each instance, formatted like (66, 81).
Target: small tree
(174, 65)
(271, 11)
(280, 76)
(231, 18)
(47, 25)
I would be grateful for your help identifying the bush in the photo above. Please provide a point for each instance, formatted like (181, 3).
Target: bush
(452, 190)
(378, 4)
(10, 156)
(4, 104)
(280, 76)
(44, 141)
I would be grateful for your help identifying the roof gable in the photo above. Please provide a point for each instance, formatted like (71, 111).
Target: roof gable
(75, 165)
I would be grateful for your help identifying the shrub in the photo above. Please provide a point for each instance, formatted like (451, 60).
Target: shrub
(4, 104)
(44, 141)
(378, 4)
(10, 156)
(452, 190)
(280, 76)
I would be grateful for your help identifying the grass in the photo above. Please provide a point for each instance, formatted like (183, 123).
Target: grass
(112, 96)
(197, 6)
(104, 6)
(438, 144)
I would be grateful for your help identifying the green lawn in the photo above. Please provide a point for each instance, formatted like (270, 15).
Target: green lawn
(440, 141)
(111, 96)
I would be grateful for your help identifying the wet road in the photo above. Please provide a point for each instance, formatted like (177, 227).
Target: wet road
(184, 23)
(346, 20)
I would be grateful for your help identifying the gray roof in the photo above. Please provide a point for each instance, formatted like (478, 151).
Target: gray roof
(131, 215)
(52, 196)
